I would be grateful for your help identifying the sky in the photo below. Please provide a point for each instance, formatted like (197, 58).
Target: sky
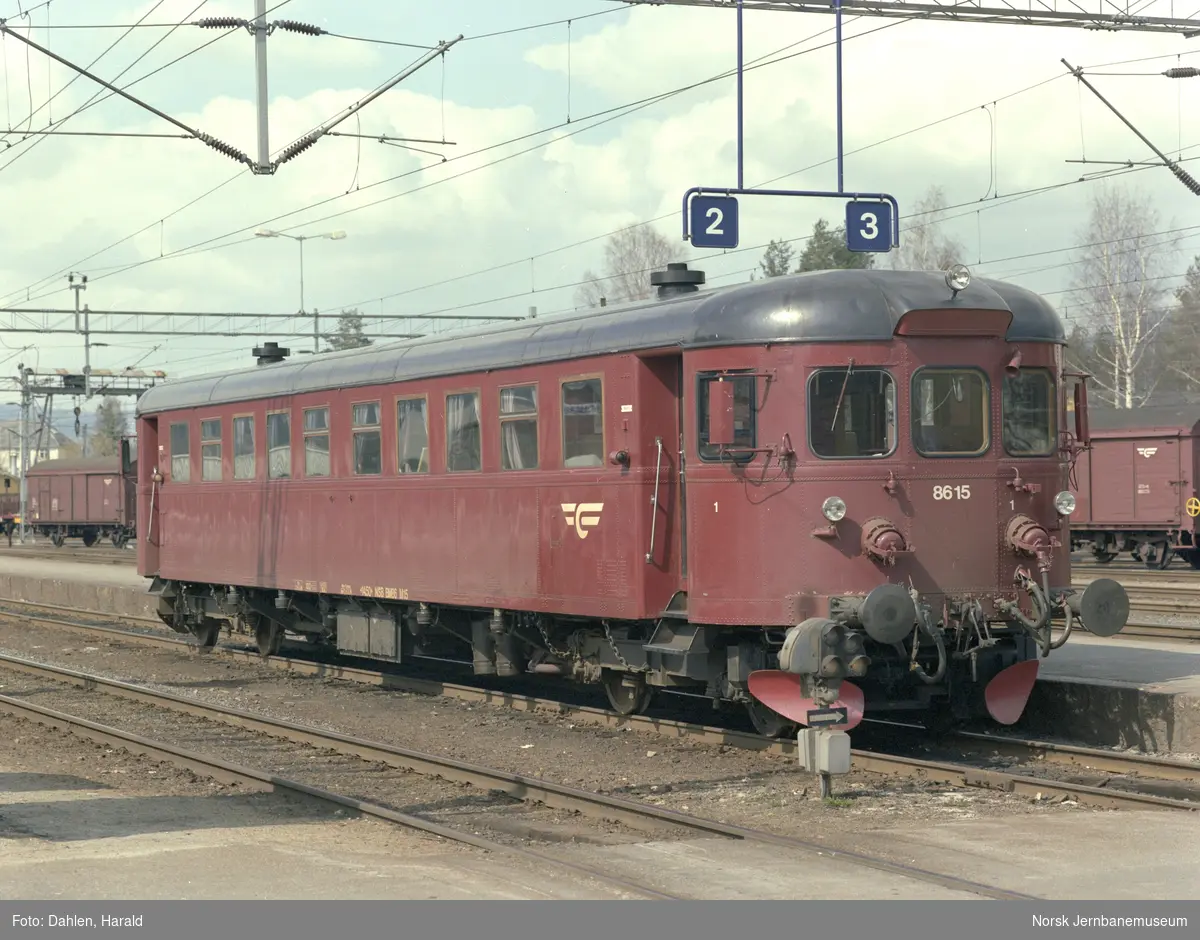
(556, 134)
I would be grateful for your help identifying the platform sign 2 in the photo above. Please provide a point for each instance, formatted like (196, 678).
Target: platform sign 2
(869, 226)
(713, 221)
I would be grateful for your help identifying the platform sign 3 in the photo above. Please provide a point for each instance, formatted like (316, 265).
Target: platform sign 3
(869, 226)
(713, 221)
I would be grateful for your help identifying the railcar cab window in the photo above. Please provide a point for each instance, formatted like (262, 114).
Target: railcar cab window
(279, 445)
(583, 423)
(950, 412)
(316, 442)
(181, 458)
(518, 428)
(462, 432)
(412, 435)
(851, 413)
(210, 450)
(243, 448)
(1029, 406)
(745, 401)
(368, 448)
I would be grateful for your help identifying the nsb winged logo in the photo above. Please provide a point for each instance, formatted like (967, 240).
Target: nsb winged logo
(582, 516)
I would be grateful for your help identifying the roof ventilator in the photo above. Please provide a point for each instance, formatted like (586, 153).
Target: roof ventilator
(268, 353)
(676, 279)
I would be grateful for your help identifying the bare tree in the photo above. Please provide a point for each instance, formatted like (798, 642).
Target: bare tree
(923, 244)
(629, 257)
(1117, 286)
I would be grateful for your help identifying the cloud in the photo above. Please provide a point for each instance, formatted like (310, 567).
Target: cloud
(74, 196)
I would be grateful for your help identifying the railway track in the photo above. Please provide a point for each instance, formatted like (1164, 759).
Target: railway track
(526, 789)
(1121, 780)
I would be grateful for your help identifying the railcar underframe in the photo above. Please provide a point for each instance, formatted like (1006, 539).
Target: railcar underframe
(945, 677)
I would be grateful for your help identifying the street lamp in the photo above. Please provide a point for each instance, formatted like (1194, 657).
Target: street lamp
(300, 240)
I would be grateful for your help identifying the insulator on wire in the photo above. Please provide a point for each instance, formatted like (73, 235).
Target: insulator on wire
(1186, 178)
(297, 148)
(292, 26)
(221, 22)
(1183, 71)
(221, 147)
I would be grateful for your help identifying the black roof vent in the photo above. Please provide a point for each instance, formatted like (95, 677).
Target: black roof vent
(270, 352)
(677, 279)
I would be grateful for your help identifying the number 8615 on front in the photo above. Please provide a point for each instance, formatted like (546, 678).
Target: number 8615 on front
(959, 491)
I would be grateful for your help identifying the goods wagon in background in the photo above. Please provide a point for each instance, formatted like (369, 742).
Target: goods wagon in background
(1135, 488)
(88, 498)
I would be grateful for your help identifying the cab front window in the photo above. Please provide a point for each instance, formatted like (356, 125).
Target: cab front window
(950, 412)
(1029, 413)
(851, 413)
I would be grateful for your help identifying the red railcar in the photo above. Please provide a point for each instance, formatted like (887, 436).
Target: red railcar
(844, 474)
(1137, 486)
(89, 498)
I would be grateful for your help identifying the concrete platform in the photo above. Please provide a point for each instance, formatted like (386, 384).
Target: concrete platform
(1133, 693)
(109, 588)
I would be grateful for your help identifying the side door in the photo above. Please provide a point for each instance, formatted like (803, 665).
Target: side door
(663, 513)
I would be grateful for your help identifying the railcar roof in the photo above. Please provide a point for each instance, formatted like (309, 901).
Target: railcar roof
(815, 307)
(1183, 418)
(77, 464)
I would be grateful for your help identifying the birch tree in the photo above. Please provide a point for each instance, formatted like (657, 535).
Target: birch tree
(1118, 289)
(630, 255)
(924, 245)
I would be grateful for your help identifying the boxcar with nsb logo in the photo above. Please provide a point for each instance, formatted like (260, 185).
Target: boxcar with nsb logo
(835, 487)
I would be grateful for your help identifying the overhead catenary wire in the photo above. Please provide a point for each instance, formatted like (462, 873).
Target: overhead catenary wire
(760, 62)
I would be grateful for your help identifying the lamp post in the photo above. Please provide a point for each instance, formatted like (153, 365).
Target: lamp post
(300, 240)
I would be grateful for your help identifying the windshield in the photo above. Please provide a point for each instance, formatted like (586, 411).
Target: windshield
(950, 412)
(1029, 413)
(852, 413)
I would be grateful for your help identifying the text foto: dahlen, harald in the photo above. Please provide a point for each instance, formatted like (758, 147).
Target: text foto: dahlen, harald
(72, 920)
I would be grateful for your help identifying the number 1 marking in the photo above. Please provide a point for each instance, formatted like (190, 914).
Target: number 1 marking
(871, 232)
(712, 229)
(715, 509)
(1012, 504)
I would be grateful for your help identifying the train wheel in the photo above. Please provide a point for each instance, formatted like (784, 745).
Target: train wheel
(627, 699)
(268, 636)
(1192, 557)
(90, 538)
(1103, 557)
(769, 723)
(58, 540)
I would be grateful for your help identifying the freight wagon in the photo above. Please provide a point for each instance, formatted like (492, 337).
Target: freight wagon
(1135, 489)
(87, 498)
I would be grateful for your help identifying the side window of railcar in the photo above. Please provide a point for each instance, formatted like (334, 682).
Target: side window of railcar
(950, 412)
(368, 447)
(851, 413)
(181, 457)
(583, 423)
(243, 448)
(279, 445)
(745, 391)
(412, 435)
(316, 442)
(1030, 413)
(519, 428)
(463, 439)
(210, 450)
